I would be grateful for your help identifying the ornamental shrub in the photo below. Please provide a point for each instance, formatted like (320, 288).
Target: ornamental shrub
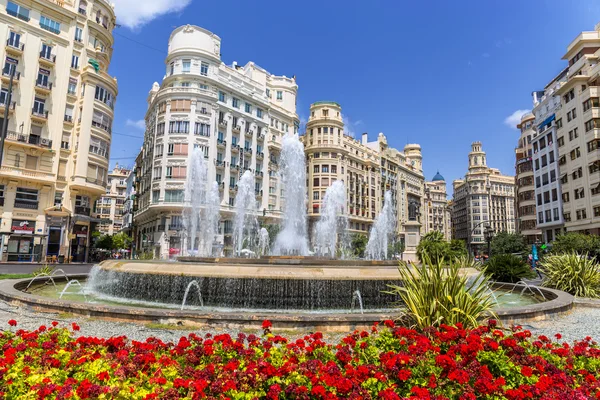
(576, 274)
(508, 268)
(386, 362)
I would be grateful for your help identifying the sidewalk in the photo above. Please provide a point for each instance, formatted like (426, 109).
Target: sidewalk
(27, 268)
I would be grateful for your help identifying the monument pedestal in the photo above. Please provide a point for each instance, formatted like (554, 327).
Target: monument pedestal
(412, 236)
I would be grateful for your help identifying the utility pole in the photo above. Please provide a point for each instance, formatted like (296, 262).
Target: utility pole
(6, 110)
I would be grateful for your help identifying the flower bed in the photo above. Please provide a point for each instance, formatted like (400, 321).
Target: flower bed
(388, 362)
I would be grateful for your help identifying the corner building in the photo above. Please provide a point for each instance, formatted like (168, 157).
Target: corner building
(111, 206)
(437, 210)
(484, 197)
(55, 157)
(236, 115)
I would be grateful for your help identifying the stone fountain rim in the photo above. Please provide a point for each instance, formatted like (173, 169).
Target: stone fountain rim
(10, 292)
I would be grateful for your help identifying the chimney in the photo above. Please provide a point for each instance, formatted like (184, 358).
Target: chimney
(234, 64)
(365, 138)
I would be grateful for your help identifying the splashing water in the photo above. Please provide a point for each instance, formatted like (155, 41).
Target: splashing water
(292, 239)
(245, 224)
(210, 221)
(195, 196)
(263, 242)
(333, 220)
(377, 247)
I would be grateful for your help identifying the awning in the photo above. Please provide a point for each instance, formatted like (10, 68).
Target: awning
(58, 211)
(85, 218)
(546, 121)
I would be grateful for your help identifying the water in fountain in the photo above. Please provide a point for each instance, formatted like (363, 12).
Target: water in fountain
(333, 220)
(383, 227)
(245, 224)
(357, 298)
(263, 242)
(69, 284)
(195, 197)
(292, 239)
(40, 276)
(187, 291)
(210, 217)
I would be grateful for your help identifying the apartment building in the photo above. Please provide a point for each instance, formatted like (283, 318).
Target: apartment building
(236, 115)
(484, 197)
(111, 206)
(545, 160)
(526, 211)
(129, 202)
(437, 210)
(578, 134)
(368, 169)
(57, 101)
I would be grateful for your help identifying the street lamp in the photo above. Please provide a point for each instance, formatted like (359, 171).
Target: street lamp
(488, 234)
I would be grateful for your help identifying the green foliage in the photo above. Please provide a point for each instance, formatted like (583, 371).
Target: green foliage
(395, 248)
(508, 268)
(458, 248)
(572, 273)
(579, 243)
(104, 242)
(359, 244)
(146, 255)
(433, 294)
(434, 245)
(121, 241)
(508, 243)
(45, 270)
(273, 230)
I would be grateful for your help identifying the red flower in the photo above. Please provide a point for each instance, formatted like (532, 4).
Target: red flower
(266, 324)
(404, 375)
(12, 322)
(54, 323)
(103, 376)
(526, 371)
(75, 326)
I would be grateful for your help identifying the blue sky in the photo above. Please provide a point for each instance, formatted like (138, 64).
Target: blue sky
(439, 73)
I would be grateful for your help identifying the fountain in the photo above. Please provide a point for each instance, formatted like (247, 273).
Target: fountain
(187, 291)
(245, 224)
(210, 220)
(263, 242)
(333, 221)
(69, 284)
(357, 298)
(292, 239)
(195, 197)
(383, 227)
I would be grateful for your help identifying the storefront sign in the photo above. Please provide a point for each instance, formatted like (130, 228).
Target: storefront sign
(23, 227)
(81, 234)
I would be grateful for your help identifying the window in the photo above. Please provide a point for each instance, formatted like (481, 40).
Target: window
(552, 175)
(235, 103)
(26, 198)
(186, 84)
(573, 134)
(43, 78)
(181, 105)
(581, 214)
(279, 95)
(546, 197)
(204, 68)
(334, 169)
(179, 126)
(577, 173)
(554, 195)
(99, 146)
(104, 96)
(315, 181)
(325, 113)
(559, 123)
(548, 215)
(544, 160)
(102, 121)
(556, 214)
(17, 11)
(58, 197)
(565, 197)
(175, 172)
(202, 129)
(592, 124)
(38, 106)
(173, 196)
(538, 182)
(259, 113)
(551, 156)
(575, 153)
(561, 141)
(155, 195)
(316, 168)
(268, 93)
(325, 168)
(49, 25)
(537, 164)
(186, 65)
(248, 108)
(78, 34)
(315, 195)
(72, 88)
(567, 216)
(160, 129)
(222, 97)
(592, 145)
(46, 51)
(74, 61)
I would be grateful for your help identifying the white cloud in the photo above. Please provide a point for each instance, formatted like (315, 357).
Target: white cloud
(515, 118)
(140, 124)
(350, 125)
(133, 13)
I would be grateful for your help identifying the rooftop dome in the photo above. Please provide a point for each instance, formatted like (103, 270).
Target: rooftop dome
(438, 177)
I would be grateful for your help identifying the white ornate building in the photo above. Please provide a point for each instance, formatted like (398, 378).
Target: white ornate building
(437, 214)
(236, 115)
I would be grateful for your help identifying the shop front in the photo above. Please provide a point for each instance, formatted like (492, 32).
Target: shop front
(79, 243)
(20, 243)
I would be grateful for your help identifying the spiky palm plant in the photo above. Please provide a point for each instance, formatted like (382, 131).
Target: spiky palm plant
(572, 273)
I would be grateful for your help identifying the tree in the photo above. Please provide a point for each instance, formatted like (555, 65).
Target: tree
(359, 244)
(508, 243)
(458, 248)
(433, 245)
(121, 241)
(579, 243)
(104, 242)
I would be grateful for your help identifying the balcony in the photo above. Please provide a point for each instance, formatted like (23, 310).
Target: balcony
(161, 228)
(32, 140)
(247, 150)
(6, 76)
(260, 155)
(82, 11)
(235, 147)
(223, 124)
(236, 129)
(175, 227)
(258, 193)
(221, 143)
(101, 22)
(26, 204)
(18, 15)
(249, 133)
(220, 163)
(221, 185)
(29, 174)
(14, 47)
(48, 60)
(259, 173)
(275, 144)
(81, 210)
(43, 87)
(40, 116)
(97, 182)
(11, 108)
(233, 188)
(235, 166)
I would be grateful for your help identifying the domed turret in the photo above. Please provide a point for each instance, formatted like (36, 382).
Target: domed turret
(438, 177)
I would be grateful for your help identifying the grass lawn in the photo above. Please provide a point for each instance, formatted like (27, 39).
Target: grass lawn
(15, 276)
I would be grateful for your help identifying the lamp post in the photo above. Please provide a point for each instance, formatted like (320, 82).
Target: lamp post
(488, 234)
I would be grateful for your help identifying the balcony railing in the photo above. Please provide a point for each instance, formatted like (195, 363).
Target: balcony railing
(175, 227)
(161, 228)
(40, 114)
(104, 24)
(51, 58)
(26, 204)
(44, 85)
(61, 178)
(49, 28)
(69, 118)
(16, 46)
(18, 15)
(29, 139)
(82, 11)
(98, 182)
(6, 72)
(12, 106)
(81, 210)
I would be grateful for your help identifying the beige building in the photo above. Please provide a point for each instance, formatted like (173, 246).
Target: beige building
(110, 207)
(526, 207)
(483, 198)
(236, 115)
(368, 169)
(55, 158)
(437, 210)
(578, 132)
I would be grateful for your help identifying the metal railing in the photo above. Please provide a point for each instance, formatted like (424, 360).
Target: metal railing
(29, 139)
(18, 46)
(81, 210)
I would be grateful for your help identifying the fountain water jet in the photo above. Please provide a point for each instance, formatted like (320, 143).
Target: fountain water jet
(210, 217)
(292, 239)
(377, 247)
(333, 220)
(187, 291)
(195, 196)
(245, 224)
(263, 242)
